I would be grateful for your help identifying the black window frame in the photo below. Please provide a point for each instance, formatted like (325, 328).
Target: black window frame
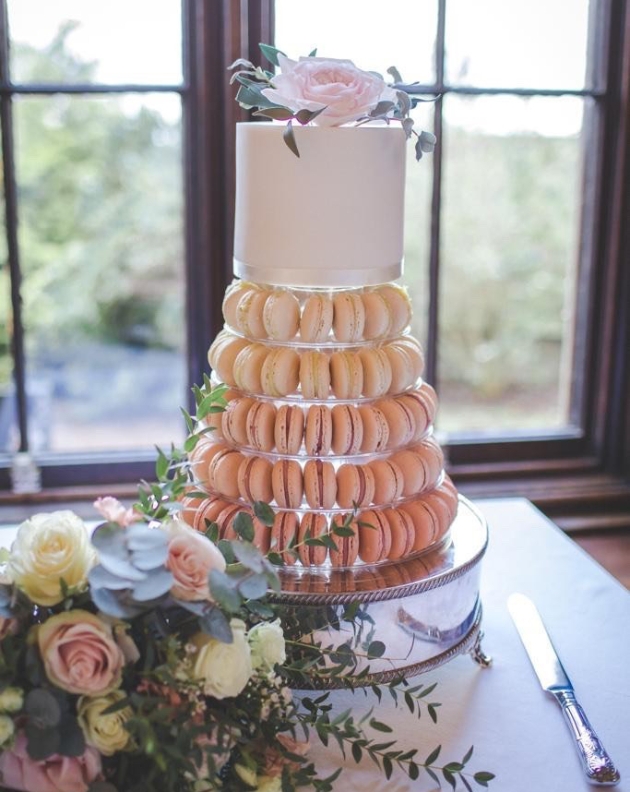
(575, 468)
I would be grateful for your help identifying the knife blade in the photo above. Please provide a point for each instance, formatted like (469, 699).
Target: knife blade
(598, 765)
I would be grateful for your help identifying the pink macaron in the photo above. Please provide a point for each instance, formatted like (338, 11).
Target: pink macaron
(314, 375)
(317, 318)
(347, 429)
(378, 316)
(318, 430)
(260, 426)
(247, 367)
(375, 429)
(346, 374)
(320, 484)
(249, 313)
(347, 547)
(234, 420)
(312, 526)
(348, 316)
(280, 373)
(377, 372)
(388, 481)
(254, 479)
(289, 429)
(281, 315)
(375, 536)
(284, 535)
(287, 483)
(355, 485)
(223, 472)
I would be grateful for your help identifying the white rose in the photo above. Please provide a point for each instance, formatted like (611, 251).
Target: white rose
(267, 784)
(11, 699)
(50, 548)
(266, 641)
(346, 92)
(7, 729)
(223, 668)
(106, 733)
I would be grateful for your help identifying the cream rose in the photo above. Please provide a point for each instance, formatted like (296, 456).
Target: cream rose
(106, 733)
(191, 557)
(223, 668)
(7, 729)
(80, 654)
(266, 640)
(50, 548)
(11, 699)
(346, 92)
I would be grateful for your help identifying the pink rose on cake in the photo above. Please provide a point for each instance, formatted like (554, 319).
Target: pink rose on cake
(338, 88)
(54, 774)
(191, 557)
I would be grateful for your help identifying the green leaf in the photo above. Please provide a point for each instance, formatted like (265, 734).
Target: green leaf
(432, 710)
(433, 756)
(395, 74)
(244, 526)
(378, 726)
(388, 768)
(449, 778)
(254, 587)
(289, 138)
(271, 53)
(277, 113)
(413, 771)
(375, 649)
(433, 775)
(482, 777)
(468, 755)
(214, 623)
(264, 512)
(454, 767)
(223, 590)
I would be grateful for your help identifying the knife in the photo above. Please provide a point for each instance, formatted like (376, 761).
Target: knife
(597, 764)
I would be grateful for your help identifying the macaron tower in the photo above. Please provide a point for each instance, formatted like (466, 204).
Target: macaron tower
(328, 418)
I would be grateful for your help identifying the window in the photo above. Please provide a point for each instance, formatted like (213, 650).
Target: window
(514, 241)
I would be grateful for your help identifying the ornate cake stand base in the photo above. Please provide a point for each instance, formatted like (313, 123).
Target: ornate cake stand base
(424, 611)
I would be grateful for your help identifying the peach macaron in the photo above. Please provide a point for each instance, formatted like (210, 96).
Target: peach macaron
(346, 374)
(287, 483)
(375, 536)
(281, 315)
(312, 526)
(314, 375)
(254, 479)
(318, 430)
(317, 318)
(400, 420)
(234, 420)
(280, 373)
(284, 535)
(388, 481)
(289, 429)
(402, 533)
(347, 429)
(377, 372)
(249, 313)
(375, 435)
(320, 484)
(355, 485)
(260, 426)
(348, 316)
(378, 315)
(347, 547)
(399, 306)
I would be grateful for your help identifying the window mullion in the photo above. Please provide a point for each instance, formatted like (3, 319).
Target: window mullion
(11, 221)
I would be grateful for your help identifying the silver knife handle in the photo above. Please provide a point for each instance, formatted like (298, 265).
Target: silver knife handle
(598, 765)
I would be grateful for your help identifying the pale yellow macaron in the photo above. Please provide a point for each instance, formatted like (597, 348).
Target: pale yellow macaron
(281, 315)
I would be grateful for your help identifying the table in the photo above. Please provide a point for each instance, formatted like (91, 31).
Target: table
(518, 731)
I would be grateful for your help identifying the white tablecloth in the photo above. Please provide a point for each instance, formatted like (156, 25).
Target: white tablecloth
(519, 733)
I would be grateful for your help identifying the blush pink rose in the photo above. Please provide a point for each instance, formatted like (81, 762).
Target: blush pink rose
(8, 626)
(55, 774)
(113, 511)
(191, 557)
(80, 654)
(347, 93)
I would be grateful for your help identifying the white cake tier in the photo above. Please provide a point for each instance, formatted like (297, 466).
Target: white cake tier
(332, 217)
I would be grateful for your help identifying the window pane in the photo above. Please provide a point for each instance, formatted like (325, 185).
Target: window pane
(373, 34)
(74, 41)
(101, 237)
(538, 44)
(9, 439)
(512, 185)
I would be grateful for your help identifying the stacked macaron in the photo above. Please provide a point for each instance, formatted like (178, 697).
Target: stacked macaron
(315, 317)
(257, 367)
(329, 422)
(325, 429)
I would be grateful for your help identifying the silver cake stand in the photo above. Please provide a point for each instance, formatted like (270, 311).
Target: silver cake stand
(426, 610)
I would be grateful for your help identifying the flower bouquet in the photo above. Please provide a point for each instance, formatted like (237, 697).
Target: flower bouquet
(146, 656)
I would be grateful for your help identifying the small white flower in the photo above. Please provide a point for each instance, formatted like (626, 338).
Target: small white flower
(267, 644)
(7, 729)
(11, 699)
